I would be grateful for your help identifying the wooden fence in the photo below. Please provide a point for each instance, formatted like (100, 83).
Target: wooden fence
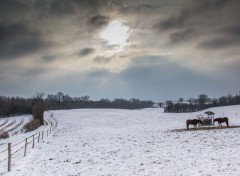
(27, 143)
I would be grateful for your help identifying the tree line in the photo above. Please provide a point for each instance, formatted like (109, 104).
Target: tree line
(200, 103)
(11, 106)
(64, 101)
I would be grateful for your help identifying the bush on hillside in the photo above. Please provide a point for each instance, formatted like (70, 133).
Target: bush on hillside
(4, 135)
(38, 111)
(32, 125)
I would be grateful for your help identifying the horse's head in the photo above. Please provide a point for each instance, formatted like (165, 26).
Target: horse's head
(199, 121)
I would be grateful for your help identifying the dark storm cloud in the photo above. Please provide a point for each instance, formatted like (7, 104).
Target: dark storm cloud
(17, 40)
(86, 51)
(91, 4)
(71, 7)
(189, 13)
(21, 34)
(12, 11)
(140, 9)
(98, 21)
(216, 44)
(62, 7)
(171, 22)
(226, 37)
(233, 31)
(211, 24)
(11, 5)
(178, 37)
(206, 5)
(193, 11)
(85, 10)
(65, 9)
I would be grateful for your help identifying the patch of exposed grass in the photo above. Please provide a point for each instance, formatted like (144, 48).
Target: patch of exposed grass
(4, 135)
(204, 128)
(32, 125)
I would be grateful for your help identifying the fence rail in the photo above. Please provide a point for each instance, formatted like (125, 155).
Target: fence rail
(13, 149)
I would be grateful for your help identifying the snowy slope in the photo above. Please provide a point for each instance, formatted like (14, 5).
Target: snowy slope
(14, 127)
(92, 142)
(16, 132)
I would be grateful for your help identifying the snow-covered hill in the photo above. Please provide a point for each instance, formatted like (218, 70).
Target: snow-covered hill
(92, 142)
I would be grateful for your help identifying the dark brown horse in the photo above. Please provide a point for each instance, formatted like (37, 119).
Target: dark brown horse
(221, 120)
(193, 122)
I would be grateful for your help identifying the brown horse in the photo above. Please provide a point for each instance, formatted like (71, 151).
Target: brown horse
(221, 120)
(193, 122)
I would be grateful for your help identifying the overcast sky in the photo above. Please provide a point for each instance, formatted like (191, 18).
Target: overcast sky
(148, 49)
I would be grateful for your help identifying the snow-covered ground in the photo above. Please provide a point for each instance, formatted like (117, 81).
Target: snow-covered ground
(17, 135)
(14, 132)
(94, 142)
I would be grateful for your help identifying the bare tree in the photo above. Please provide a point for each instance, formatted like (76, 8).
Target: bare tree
(202, 99)
(38, 108)
(180, 100)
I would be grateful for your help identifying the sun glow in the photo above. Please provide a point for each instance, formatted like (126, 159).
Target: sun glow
(116, 35)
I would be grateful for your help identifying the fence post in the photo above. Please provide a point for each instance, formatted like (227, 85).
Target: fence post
(39, 137)
(25, 149)
(33, 142)
(9, 156)
(42, 135)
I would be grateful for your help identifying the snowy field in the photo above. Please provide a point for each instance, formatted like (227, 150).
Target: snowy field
(109, 142)
(18, 134)
(14, 126)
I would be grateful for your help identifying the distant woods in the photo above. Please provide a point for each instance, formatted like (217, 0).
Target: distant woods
(64, 101)
(10, 106)
(200, 103)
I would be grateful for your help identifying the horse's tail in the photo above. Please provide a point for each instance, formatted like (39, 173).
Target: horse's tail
(187, 124)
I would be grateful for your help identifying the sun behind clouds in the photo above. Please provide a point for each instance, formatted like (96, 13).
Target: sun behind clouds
(115, 34)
